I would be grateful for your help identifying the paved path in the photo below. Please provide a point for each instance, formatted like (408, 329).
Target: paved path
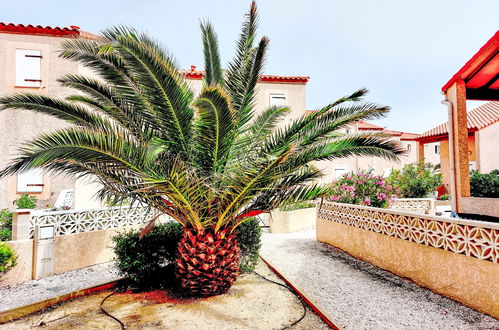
(29, 292)
(359, 295)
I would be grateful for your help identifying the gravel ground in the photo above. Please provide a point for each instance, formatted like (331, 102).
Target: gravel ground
(12, 296)
(359, 295)
(252, 303)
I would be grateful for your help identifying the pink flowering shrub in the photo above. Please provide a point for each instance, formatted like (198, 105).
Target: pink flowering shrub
(364, 188)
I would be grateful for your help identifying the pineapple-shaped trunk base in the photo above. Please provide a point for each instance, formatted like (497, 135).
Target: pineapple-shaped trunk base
(207, 264)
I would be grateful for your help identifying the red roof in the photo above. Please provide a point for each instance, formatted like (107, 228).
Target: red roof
(363, 125)
(478, 118)
(198, 74)
(72, 31)
(480, 73)
(408, 136)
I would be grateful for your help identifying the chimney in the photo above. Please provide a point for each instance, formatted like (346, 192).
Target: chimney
(193, 68)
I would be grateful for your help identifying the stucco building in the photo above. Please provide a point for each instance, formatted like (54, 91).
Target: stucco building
(336, 168)
(29, 62)
(483, 142)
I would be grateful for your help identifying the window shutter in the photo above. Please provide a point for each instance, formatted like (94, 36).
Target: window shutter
(30, 181)
(28, 65)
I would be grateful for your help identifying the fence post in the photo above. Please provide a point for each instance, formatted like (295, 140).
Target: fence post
(21, 224)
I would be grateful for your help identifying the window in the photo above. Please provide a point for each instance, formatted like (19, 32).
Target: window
(347, 131)
(28, 63)
(409, 147)
(277, 99)
(30, 181)
(340, 170)
(437, 150)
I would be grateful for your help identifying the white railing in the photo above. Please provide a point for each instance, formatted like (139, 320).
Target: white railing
(80, 221)
(477, 239)
(414, 205)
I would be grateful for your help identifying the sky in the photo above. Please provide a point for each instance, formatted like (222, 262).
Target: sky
(402, 51)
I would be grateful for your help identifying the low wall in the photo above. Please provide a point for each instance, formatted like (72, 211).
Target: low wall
(291, 221)
(23, 271)
(83, 249)
(456, 258)
(480, 205)
(80, 238)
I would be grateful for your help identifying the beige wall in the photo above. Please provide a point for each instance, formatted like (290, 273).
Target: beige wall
(295, 95)
(429, 153)
(488, 148)
(72, 251)
(81, 250)
(23, 271)
(468, 280)
(19, 126)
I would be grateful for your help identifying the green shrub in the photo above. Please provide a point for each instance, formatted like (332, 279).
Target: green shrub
(248, 236)
(484, 185)
(296, 206)
(5, 225)
(148, 262)
(145, 260)
(26, 202)
(445, 197)
(363, 188)
(8, 258)
(416, 180)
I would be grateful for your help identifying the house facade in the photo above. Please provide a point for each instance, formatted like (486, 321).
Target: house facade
(482, 142)
(29, 62)
(336, 168)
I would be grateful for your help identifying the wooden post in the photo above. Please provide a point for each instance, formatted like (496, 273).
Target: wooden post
(420, 151)
(456, 94)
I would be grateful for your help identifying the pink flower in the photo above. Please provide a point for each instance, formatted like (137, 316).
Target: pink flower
(367, 201)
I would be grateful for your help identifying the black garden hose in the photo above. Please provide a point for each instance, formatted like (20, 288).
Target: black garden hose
(294, 293)
(107, 313)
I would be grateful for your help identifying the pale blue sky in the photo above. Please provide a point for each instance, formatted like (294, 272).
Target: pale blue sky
(403, 51)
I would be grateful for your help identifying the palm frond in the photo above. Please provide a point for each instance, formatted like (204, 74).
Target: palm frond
(54, 107)
(213, 69)
(215, 129)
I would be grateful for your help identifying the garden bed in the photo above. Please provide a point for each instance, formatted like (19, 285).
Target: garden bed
(251, 303)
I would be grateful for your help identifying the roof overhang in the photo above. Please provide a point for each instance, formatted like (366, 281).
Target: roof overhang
(73, 31)
(481, 73)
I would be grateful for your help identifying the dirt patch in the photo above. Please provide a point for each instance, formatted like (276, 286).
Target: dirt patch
(252, 303)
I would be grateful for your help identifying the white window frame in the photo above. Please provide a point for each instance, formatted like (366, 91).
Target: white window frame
(30, 181)
(340, 170)
(28, 68)
(277, 99)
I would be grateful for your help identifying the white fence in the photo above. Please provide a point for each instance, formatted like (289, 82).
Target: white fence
(415, 205)
(80, 221)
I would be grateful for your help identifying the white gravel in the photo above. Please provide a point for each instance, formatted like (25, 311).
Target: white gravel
(17, 295)
(359, 295)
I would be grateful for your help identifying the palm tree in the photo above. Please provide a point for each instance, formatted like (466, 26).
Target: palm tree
(210, 161)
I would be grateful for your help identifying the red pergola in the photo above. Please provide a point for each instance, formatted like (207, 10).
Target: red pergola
(478, 79)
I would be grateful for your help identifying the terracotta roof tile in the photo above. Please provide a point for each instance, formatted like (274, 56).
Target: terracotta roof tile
(56, 31)
(408, 136)
(364, 125)
(478, 118)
